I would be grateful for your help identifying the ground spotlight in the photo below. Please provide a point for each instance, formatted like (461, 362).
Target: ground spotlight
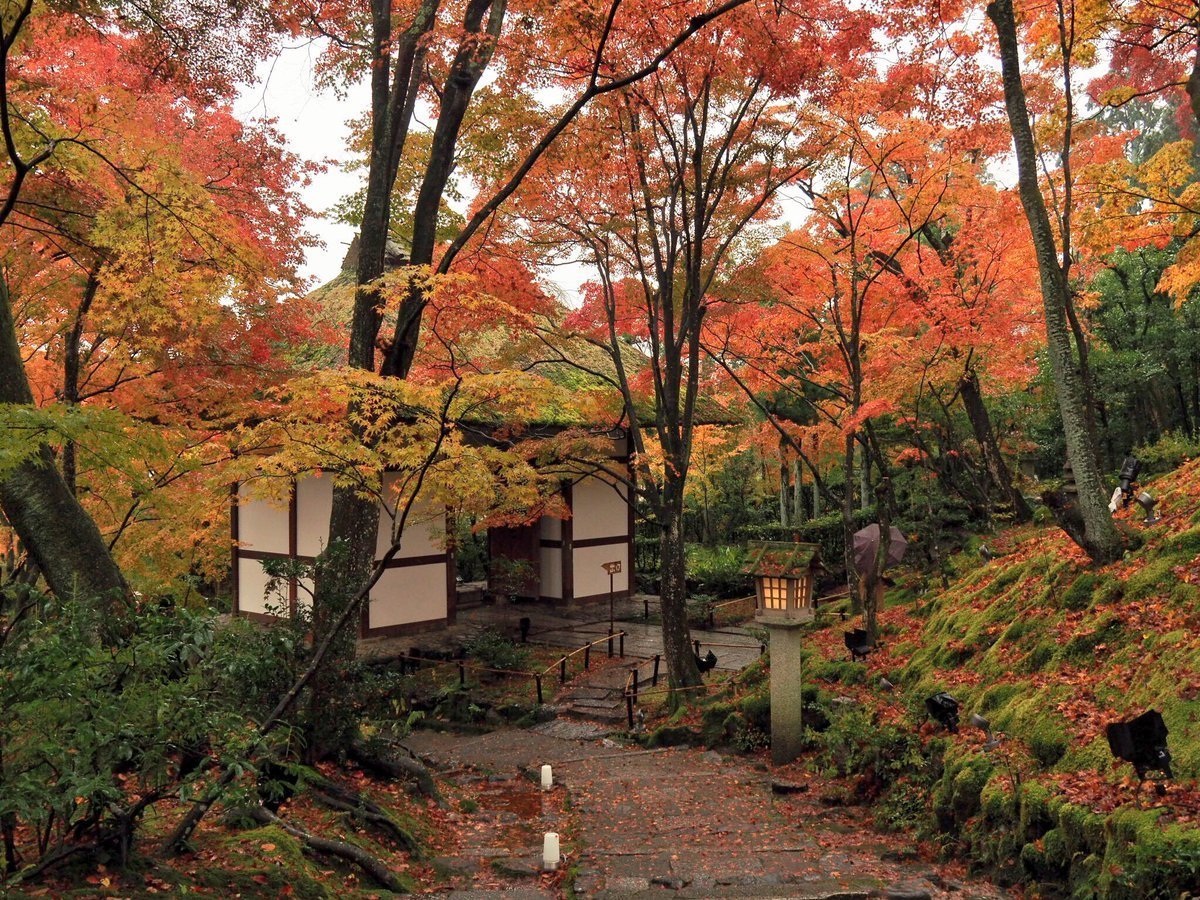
(991, 742)
(886, 685)
(1147, 503)
(1142, 742)
(943, 709)
(857, 644)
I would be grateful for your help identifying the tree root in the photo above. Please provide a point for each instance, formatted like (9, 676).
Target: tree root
(363, 809)
(373, 867)
(396, 766)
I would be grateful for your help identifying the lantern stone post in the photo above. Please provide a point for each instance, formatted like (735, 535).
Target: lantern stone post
(783, 602)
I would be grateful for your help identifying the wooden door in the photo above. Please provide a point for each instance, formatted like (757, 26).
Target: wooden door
(514, 561)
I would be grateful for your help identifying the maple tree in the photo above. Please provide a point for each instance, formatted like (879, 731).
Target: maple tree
(149, 255)
(1095, 529)
(661, 188)
(437, 54)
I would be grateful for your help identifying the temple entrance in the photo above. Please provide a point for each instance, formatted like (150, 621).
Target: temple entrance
(514, 561)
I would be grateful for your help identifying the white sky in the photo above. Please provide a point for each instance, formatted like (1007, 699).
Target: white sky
(314, 125)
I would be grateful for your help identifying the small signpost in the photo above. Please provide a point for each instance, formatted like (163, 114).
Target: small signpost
(612, 568)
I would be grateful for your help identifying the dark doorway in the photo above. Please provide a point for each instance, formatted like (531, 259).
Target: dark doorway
(514, 568)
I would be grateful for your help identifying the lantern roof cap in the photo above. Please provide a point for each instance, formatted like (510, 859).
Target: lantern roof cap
(781, 559)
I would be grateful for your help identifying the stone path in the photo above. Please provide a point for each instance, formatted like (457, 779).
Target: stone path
(665, 823)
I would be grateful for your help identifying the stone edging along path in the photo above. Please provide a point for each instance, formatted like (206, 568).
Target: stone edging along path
(663, 823)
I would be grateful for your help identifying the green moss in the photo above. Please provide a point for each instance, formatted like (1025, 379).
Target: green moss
(672, 736)
(1186, 542)
(264, 872)
(1108, 632)
(1079, 594)
(757, 711)
(1151, 580)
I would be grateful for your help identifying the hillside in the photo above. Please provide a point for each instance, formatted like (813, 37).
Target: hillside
(1048, 650)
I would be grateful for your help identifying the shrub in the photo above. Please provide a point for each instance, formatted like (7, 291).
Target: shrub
(493, 649)
(1170, 451)
(717, 571)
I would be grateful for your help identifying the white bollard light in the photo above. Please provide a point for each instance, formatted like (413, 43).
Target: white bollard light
(547, 778)
(550, 855)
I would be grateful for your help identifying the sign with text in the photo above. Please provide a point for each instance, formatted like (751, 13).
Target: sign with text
(612, 568)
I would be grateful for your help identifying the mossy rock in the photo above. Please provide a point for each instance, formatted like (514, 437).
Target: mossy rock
(1109, 632)
(673, 736)
(1082, 830)
(1035, 817)
(1147, 860)
(757, 711)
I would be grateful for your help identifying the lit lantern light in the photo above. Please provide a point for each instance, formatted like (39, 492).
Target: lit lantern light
(547, 778)
(783, 602)
(783, 580)
(550, 852)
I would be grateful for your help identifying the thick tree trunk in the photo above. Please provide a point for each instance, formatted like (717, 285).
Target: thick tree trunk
(1102, 541)
(57, 532)
(997, 470)
(677, 637)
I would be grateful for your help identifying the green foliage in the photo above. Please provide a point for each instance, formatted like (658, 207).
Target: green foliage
(93, 734)
(494, 650)
(717, 571)
(1169, 452)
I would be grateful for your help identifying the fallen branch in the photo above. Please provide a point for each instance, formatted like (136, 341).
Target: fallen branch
(372, 866)
(399, 767)
(363, 809)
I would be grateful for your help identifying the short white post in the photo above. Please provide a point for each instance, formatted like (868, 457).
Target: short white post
(547, 778)
(550, 855)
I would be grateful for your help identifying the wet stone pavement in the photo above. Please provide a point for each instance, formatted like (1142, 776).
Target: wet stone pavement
(677, 822)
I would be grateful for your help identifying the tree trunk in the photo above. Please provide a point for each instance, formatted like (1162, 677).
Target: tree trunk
(677, 637)
(997, 470)
(57, 532)
(784, 488)
(853, 582)
(1102, 540)
(797, 491)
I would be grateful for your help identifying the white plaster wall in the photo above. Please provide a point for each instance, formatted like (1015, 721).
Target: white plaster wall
(551, 528)
(261, 525)
(424, 535)
(252, 589)
(599, 510)
(551, 572)
(304, 588)
(409, 594)
(590, 578)
(314, 501)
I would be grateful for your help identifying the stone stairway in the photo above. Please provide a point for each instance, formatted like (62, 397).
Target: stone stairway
(599, 695)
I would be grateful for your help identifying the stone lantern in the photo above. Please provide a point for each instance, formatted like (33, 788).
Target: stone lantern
(783, 601)
(783, 580)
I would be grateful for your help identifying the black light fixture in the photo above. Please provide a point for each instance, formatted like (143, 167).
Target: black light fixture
(986, 552)
(943, 709)
(885, 685)
(857, 644)
(707, 662)
(1142, 742)
(1129, 473)
(1147, 503)
(525, 624)
(991, 741)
